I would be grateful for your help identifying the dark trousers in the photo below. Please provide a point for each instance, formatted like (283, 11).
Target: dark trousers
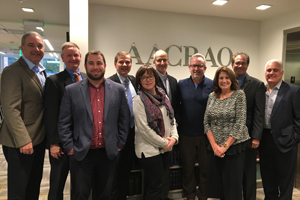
(58, 175)
(277, 169)
(193, 149)
(125, 163)
(24, 172)
(225, 176)
(95, 171)
(249, 179)
(156, 171)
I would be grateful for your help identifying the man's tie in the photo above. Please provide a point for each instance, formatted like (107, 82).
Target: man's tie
(129, 100)
(77, 77)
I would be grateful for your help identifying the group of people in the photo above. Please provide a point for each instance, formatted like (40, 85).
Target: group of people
(96, 127)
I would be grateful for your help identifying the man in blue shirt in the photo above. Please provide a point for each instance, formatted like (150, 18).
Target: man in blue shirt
(54, 91)
(255, 95)
(22, 133)
(193, 95)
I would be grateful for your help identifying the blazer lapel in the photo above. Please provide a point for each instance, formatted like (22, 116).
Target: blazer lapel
(107, 97)
(31, 74)
(246, 82)
(132, 79)
(280, 95)
(68, 78)
(84, 89)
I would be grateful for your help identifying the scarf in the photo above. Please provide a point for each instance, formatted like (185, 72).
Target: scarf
(153, 113)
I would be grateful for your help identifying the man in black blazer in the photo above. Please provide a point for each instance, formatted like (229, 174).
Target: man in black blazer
(121, 182)
(278, 149)
(167, 83)
(93, 126)
(54, 91)
(255, 95)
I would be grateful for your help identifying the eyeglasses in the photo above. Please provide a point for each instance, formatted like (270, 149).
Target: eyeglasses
(144, 78)
(197, 66)
(161, 60)
(240, 63)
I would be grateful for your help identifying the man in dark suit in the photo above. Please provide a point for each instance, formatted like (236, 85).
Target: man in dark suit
(54, 91)
(22, 133)
(255, 95)
(93, 125)
(121, 182)
(278, 148)
(166, 81)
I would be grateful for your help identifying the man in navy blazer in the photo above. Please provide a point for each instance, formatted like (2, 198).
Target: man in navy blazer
(255, 95)
(93, 126)
(120, 189)
(278, 148)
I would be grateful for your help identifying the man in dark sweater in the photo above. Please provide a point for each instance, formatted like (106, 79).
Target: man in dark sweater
(193, 95)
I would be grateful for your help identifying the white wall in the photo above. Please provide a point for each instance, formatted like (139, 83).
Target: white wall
(271, 36)
(112, 29)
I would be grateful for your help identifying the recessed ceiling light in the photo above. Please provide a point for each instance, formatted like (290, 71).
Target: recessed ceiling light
(263, 7)
(2, 52)
(27, 9)
(40, 28)
(220, 2)
(51, 54)
(49, 44)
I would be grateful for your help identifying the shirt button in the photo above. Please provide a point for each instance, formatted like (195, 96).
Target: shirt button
(100, 133)
(99, 143)
(99, 122)
(98, 110)
(98, 99)
(97, 90)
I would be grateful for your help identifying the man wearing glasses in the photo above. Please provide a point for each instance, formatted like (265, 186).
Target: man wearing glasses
(166, 82)
(193, 95)
(255, 95)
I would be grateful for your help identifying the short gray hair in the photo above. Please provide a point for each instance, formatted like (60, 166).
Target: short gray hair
(275, 61)
(198, 55)
(30, 33)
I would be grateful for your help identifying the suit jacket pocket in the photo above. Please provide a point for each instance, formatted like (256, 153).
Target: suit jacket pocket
(28, 121)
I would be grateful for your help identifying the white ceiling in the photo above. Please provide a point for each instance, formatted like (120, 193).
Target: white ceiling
(55, 14)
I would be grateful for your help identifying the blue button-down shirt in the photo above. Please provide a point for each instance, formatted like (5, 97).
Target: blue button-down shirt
(72, 74)
(37, 69)
(241, 80)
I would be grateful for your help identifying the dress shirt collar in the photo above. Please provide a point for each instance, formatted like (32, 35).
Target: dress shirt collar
(72, 74)
(102, 84)
(121, 78)
(32, 65)
(277, 86)
(162, 77)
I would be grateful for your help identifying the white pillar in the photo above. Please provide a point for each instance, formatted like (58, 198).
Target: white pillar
(79, 26)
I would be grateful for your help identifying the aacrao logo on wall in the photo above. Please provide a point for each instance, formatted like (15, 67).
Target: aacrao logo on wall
(215, 60)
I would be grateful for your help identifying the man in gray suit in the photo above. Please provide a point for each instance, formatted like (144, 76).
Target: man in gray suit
(278, 148)
(22, 133)
(54, 91)
(93, 126)
(255, 94)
